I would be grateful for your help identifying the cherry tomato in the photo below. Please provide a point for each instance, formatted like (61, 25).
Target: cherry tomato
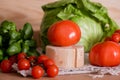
(64, 33)
(42, 58)
(32, 58)
(37, 72)
(13, 59)
(117, 31)
(21, 56)
(48, 62)
(23, 64)
(52, 71)
(6, 66)
(115, 37)
(105, 54)
(107, 39)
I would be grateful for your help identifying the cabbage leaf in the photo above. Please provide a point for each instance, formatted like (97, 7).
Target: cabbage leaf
(92, 18)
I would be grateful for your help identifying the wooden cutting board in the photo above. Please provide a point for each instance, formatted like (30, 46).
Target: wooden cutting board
(22, 11)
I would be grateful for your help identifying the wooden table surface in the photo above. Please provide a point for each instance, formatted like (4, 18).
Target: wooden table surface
(22, 11)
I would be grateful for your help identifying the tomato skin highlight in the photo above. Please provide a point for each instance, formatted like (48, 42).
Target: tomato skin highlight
(23, 64)
(64, 33)
(52, 70)
(21, 56)
(105, 54)
(42, 58)
(116, 37)
(37, 72)
(48, 62)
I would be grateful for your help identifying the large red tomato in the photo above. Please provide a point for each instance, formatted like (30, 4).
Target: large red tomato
(64, 33)
(105, 54)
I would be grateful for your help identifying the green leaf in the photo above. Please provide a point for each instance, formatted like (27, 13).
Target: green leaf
(92, 18)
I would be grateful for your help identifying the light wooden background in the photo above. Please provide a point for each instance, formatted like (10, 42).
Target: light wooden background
(22, 11)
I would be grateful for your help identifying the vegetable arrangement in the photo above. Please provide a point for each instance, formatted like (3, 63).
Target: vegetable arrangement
(30, 66)
(64, 33)
(92, 18)
(13, 41)
(65, 23)
(18, 52)
(106, 53)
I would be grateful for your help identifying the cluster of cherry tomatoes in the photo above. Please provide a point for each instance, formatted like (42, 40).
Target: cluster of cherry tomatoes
(115, 37)
(106, 53)
(40, 65)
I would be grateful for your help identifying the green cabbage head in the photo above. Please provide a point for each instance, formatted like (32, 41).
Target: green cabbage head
(92, 18)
